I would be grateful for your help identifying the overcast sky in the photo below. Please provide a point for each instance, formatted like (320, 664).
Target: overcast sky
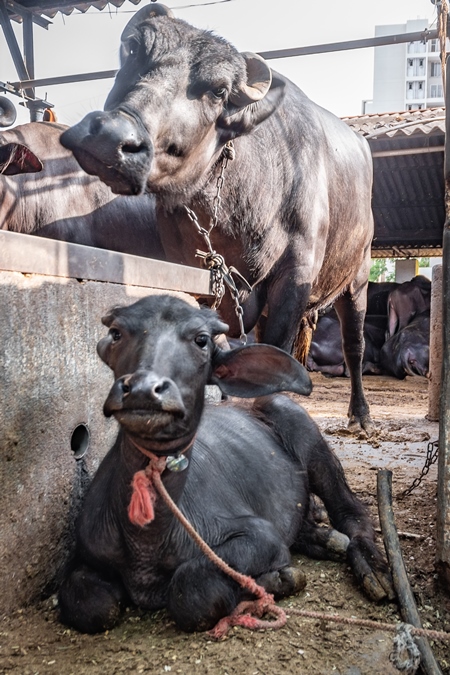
(338, 81)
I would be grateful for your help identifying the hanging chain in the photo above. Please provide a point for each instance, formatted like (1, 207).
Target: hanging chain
(431, 458)
(221, 274)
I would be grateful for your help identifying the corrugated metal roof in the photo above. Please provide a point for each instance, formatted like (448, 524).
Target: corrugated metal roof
(49, 8)
(408, 190)
(375, 125)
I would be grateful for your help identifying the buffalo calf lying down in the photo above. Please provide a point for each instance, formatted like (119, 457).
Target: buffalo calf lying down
(246, 489)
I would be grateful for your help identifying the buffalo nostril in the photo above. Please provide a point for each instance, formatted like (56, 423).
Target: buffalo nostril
(160, 387)
(174, 151)
(134, 148)
(126, 387)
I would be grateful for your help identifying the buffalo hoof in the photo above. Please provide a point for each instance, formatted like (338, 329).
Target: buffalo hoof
(370, 570)
(337, 543)
(361, 425)
(282, 583)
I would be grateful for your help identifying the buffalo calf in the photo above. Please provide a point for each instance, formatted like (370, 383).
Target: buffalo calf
(246, 490)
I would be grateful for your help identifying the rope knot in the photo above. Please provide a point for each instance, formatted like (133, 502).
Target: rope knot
(248, 615)
(141, 507)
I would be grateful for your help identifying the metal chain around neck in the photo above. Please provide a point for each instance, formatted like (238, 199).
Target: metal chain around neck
(221, 274)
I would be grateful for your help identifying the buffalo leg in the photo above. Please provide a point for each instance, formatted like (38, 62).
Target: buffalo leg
(349, 516)
(90, 602)
(200, 594)
(303, 441)
(351, 310)
(286, 302)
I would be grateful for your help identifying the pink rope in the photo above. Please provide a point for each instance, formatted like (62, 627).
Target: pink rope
(141, 512)
(248, 613)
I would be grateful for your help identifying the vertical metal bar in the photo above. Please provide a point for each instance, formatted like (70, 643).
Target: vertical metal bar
(13, 45)
(443, 506)
(36, 112)
(28, 44)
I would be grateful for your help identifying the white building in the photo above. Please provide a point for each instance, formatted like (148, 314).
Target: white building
(407, 76)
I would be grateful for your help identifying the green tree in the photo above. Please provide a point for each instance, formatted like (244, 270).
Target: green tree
(379, 267)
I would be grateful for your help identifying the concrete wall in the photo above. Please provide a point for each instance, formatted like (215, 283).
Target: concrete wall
(51, 382)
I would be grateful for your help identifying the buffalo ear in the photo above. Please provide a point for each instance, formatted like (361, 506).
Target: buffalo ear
(104, 343)
(258, 370)
(102, 349)
(237, 121)
(16, 158)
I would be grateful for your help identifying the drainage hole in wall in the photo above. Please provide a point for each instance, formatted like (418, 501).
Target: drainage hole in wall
(79, 442)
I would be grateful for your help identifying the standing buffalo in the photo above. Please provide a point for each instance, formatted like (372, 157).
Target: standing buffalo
(44, 192)
(246, 489)
(294, 212)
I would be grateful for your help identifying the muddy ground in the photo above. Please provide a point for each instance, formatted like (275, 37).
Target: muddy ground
(33, 642)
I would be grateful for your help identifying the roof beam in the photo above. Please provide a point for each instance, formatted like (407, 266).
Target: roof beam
(277, 54)
(380, 41)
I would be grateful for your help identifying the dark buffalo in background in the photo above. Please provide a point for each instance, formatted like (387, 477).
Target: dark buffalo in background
(378, 296)
(295, 213)
(326, 355)
(405, 302)
(44, 192)
(246, 489)
(407, 352)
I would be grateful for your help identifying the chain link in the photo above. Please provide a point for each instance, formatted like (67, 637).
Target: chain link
(221, 275)
(431, 458)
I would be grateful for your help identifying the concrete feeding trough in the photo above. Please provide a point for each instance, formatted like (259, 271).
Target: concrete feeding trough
(52, 430)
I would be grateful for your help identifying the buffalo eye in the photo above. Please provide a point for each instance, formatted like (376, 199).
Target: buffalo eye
(115, 334)
(219, 93)
(132, 47)
(202, 340)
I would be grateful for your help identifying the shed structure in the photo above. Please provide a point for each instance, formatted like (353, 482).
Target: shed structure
(408, 185)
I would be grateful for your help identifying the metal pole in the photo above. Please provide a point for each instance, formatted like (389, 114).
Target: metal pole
(443, 505)
(277, 54)
(36, 113)
(14, 47)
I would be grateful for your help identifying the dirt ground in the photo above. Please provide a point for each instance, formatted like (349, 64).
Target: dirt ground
(33, 642)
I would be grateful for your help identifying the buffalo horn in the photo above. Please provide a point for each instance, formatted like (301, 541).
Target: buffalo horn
(8, 112)
(259, 78)
(147, 12)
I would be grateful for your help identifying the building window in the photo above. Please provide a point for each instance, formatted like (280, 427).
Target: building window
(435, 69)
(436, 91)
(415, 90)
(434, 45)
(416, 47)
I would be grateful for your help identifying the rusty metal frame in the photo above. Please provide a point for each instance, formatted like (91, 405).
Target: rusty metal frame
(29, 254)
